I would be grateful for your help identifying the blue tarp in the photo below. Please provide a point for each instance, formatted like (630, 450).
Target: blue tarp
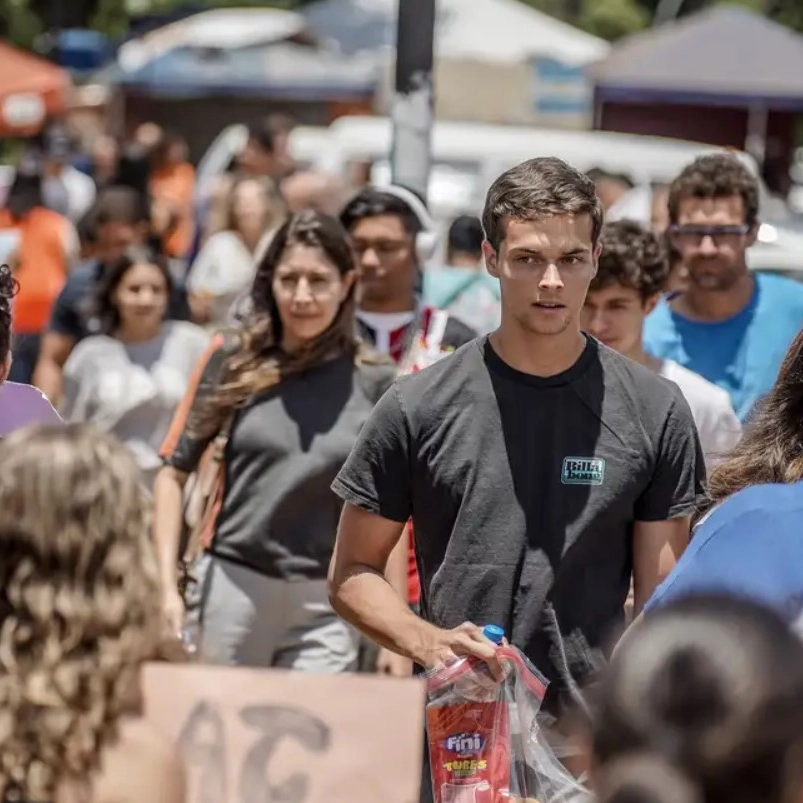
(80, 49)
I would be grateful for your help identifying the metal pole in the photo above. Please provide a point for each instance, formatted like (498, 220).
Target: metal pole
(414, 100)
(667, 10)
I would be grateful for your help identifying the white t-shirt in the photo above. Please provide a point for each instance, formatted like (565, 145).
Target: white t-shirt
(384, 324)
(132, 390)
(717, 423)
(224, 269)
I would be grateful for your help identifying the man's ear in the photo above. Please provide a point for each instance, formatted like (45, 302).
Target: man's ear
(651, 303)
(595, 256)
(491, 259)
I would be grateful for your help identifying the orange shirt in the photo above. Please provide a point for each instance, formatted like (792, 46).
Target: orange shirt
(175, 185)
(41, 266)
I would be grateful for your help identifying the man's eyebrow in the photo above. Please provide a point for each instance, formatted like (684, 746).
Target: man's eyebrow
(579, 250)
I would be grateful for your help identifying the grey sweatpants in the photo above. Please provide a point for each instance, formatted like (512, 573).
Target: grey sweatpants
(248, 619)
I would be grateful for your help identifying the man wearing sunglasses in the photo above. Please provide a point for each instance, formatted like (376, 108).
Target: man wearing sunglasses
(728, 324)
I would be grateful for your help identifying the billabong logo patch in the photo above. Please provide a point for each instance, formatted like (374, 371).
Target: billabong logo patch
(583, 471)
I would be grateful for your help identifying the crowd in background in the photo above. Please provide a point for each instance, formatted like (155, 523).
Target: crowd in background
(254, 336)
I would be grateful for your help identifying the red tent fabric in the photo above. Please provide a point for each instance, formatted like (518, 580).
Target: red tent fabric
(31, 91)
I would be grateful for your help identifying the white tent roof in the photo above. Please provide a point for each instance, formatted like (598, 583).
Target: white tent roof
(225, 28)
(498, 31)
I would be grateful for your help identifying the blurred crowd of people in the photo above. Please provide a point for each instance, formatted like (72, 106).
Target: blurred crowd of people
(245, 471)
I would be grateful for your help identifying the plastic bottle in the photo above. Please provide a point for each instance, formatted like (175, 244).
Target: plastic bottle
(494, 633)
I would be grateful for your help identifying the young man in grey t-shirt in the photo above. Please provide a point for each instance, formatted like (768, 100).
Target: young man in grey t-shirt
(541, 469)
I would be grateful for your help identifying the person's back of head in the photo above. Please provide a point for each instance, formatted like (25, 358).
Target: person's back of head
(81, 602)
(119, 204)
(25, 192)
(702, 703)
(464, 241)
(134, 169)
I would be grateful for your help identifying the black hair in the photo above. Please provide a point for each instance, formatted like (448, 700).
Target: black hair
(120, 204)
(633, 257)
(263, 134)
(465, 236)
(134, 169)
(87, 229)
(702, 703)
(104, 307)
(25, 193)
(9, 287)
(372, 202)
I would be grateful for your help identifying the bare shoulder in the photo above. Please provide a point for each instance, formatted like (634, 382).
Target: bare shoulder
(142, 765)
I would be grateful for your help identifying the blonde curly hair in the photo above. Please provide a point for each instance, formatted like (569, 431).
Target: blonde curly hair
(79, 603)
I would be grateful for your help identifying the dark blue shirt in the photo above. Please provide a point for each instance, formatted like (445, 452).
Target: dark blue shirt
(72, 315)
(751, 545)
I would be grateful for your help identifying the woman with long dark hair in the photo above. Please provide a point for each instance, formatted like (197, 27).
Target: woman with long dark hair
(703, 703)
(129, 378)
(291, 391)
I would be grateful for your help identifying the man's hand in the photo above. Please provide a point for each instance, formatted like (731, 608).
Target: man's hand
(443, 647)
(393, 665)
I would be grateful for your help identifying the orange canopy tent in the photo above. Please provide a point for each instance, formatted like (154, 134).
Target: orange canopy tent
(31, 91)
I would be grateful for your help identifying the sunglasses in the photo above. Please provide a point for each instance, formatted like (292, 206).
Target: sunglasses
(721, 235)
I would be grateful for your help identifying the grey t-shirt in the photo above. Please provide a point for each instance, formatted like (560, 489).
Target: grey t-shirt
(524, 491)
(132, 390)
(279, 515)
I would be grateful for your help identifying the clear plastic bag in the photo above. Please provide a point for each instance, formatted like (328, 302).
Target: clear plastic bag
(485, 745)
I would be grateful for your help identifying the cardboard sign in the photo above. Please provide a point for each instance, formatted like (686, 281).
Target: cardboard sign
(255, 736)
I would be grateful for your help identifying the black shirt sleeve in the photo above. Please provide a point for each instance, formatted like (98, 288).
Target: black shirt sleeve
(181, 449)
(376, 476)
(65, 318)
(179, 307)
(679, 474)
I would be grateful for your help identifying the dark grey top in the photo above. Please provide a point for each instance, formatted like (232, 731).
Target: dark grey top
(524, 491)
(279, 515)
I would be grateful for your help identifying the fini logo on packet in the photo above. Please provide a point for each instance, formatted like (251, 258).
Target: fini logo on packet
(464, 744)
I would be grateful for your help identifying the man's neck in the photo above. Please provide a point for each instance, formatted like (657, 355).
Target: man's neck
(461, 260)
(538, 355)
(403, 304)
(637, 354)
(712, 306)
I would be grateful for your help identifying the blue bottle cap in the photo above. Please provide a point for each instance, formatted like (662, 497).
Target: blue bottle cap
(494, 633)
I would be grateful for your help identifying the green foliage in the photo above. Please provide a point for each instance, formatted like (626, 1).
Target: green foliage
(18, 23)
(610, 19)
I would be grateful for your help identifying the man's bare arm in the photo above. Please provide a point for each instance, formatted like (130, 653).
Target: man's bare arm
(48, 375)
(361, 594)
(657, 547)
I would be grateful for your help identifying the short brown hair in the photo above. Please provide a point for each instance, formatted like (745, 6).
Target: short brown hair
(536, 189)
(633, 257)
(715, 175)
